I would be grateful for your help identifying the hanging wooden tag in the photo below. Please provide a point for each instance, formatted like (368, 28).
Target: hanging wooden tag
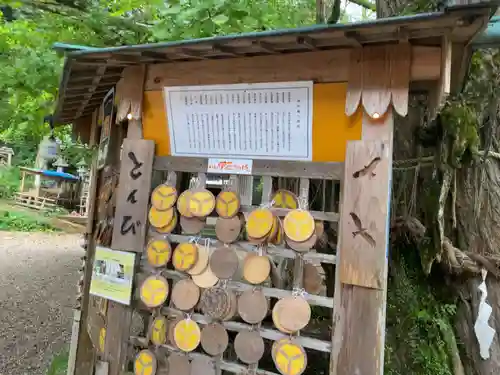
(299, 225)
(178, 364)
(259, 223)
(185, 256)
(172, 322)
(154, 291)
(192, 225)
(228, 230)
(214, 339)
(274, 230)
(232, 307)
(249, 346)
(291, 313)
(285, 199)
(312, 279)
(289, 357)
(216, 302)
(201, 203)
(160, 219)
(302, 247)
(145, 363)
(278, 325)
(227, 204)
(206, 279)
(224, 262)
(158, 252)
(185, 294)
(253, 306)
(256, 268)
(187, 335)
(171, 226)
(202, 262)
(163, 197)
(158, 330)
(183, 203)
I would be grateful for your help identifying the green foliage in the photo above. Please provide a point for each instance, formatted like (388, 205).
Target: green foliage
(9, 181)
(59, 364)
(24, 222)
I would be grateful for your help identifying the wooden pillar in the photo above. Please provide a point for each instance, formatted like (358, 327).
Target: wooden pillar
(379, 80)
(130, 225)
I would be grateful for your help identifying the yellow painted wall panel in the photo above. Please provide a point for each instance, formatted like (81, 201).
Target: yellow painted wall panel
(331, 127)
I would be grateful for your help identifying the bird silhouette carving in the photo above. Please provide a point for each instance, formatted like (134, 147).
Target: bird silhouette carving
(361, 231)
(368, 169)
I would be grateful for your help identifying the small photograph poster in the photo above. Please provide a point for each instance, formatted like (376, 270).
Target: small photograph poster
(106, 118)
(241, 121)
(112, 275)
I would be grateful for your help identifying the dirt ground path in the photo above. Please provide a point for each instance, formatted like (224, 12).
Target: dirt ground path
(38, 276)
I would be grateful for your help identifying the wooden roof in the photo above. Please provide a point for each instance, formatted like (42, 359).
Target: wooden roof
(89, 73)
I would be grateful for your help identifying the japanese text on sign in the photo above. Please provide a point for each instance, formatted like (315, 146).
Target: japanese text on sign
(258, 121)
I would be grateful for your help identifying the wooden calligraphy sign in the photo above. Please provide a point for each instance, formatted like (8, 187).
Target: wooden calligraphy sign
(130, 224)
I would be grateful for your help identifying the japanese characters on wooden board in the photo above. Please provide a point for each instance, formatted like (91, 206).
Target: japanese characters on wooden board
(208, 265)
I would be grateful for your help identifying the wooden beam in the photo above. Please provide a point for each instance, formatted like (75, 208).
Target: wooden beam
(319, 66)
(95, 83)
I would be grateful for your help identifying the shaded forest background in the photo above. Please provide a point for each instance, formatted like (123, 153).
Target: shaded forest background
(446, 194)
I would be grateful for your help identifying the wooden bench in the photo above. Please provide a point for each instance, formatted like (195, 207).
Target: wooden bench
(36, 202)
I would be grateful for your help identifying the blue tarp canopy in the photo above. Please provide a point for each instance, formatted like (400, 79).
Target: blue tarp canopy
(66, 176)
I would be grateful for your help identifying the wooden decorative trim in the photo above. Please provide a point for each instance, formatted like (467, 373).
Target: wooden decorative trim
(314, 170)
(318, 66)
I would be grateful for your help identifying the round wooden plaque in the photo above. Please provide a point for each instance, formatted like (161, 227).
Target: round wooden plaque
(289, 357)
(214, 339)
(154, 291)
(192, 225)
(170, 227)
(160, 219)
(285, 199)
(163, 197)
(302, 247)
(299, 225)
(312, 279)
(185, 294)
(259, 223)
(291, 313)
(256, 268)
(172, 322)
(224, 262)
(201, 203)
(178, 364)
(183, 203)
(145, 363)
(253, 306)
(217, 302)
(202, 262)
(102, 339)
(228, 230)
(202, 365)
(280, 235)
(158, 331)
(249, 346)
(187, 335)
(185, 256)
(277, 323)
(206, 279)
(232, 308)
(158, 252)
(227, 204)
(274, 230)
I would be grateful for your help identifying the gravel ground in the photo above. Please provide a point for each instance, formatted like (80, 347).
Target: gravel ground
(38, 276)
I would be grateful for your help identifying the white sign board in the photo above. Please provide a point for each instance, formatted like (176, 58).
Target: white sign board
(252, 121)
(230, 166)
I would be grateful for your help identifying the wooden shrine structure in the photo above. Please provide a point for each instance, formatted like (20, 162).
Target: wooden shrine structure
(348, 82)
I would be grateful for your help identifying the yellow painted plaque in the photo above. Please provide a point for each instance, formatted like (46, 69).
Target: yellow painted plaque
(187, 335)
(201, 203)
(158, 252)
(227, 204)
(102, 339)
(299, 225)
(285, 199)
(289, 357)
(158, 331)
(160, 219)
(145, 363)
(183, 203)
(185, 256)
(170, 227)
(154, 291)
(163, 197)
(259, 223)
